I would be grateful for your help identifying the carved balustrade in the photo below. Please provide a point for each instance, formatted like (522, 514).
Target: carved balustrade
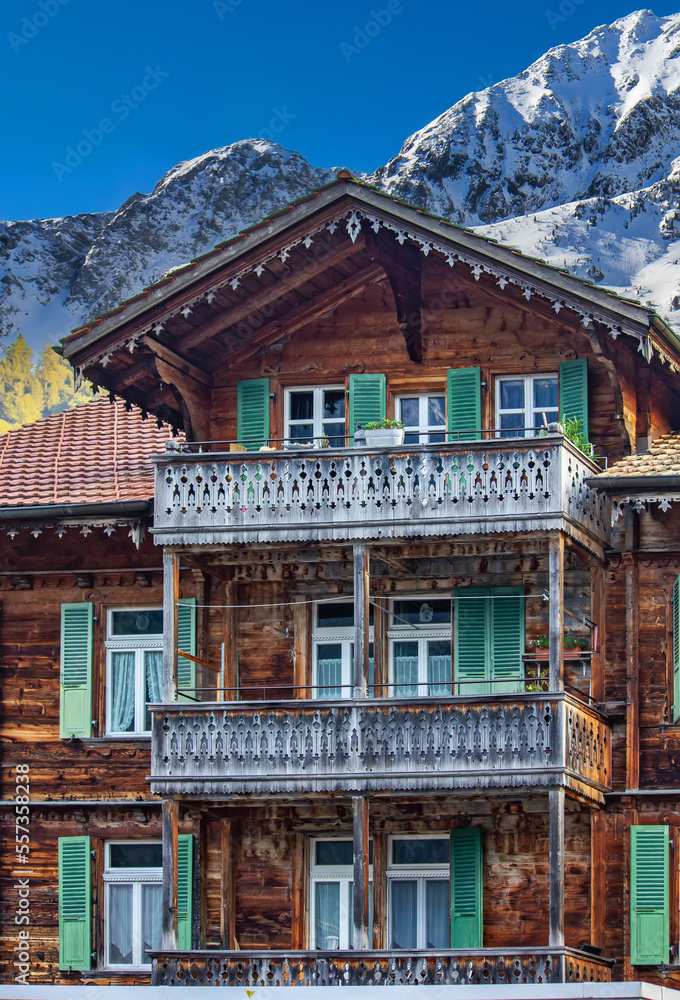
(378, 968)
(537, 740)
(352, 493)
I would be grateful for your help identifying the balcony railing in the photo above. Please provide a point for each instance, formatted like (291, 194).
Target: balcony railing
(484, 966)
(353, 493)
(533, 740)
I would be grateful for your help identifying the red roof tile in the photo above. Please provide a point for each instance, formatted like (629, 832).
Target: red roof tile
(94, 453)
(662, 459)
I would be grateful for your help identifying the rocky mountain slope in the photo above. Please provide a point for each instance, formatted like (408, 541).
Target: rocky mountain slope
(575, 160)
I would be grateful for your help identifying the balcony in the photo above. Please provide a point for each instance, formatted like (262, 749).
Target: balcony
(349, 494)
(379, 968)
(535, 740)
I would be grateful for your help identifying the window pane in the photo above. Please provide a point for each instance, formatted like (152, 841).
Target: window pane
(120, 924)
(302, 432)
(410, 412)
(335, 432)
(415, 851)
(545, 393)
(439, 667)
(437, 916)
(405, 669)
(301, 405)
(135, 855)
(146, 622)
(436, 411)
(327, 907)
(510, 420)
(544, 417)
(404, 914)
(339, 614)
(338, 852)
(122, 693)
(153, 681)
(512, 394)
(422, 612)
(152, 904)
(329, 670)
(413, 438)
(334, 403)
(436, 438)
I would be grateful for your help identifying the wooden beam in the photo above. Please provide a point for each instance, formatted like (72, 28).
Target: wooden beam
(403, 267)
(177, 361)
(380, 658)
(598, 897)
(298, 894)
(632, 673)
(193, 398)
(170, 599)
(296, 317)
(597, 614)
(231, 678)
(361, 858)
(361, 592)
(302, 631)
(170, 832)
(292, 280)
(556, 612)
(556, 840)
(379, 891)
(227, 885)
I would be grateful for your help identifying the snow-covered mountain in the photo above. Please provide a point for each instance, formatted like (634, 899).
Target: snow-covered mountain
(575, 160)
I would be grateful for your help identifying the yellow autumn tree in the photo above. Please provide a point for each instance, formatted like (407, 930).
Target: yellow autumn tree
(29, 392)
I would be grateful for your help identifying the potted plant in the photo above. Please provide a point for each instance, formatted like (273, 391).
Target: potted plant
(541, 646)
(384, 433)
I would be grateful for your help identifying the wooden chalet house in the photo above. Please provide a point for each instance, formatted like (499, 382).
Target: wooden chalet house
(306, 735)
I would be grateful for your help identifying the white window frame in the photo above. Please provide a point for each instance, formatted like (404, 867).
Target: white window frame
(344, 874)
(130, 644)
(128, 876)
(528, 409)
(419, 873)
(317, 420)
(343, 636)
(424, 429)
(422, 634)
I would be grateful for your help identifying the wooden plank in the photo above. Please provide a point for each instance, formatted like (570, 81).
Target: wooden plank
(361, 592)
(380, 647)
(227, 884)
(597, 877)
(556, 849)
(597, 614)
(230, 640)
(177, 361)
(379, 890)
(170, 835)
(556, 611)
(360, 888)
(632, 674)
(170, 617)
(298, 893)
(302, 666)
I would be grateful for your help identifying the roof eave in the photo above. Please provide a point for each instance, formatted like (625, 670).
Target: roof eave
(632, 485)
(48, 512)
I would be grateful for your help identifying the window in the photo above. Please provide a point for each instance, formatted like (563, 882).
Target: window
(133, 887)
(418, 884)
(333, 650)
(424, 418)
(332, 870)
(526, 401)
(134, 648)
(420, 647)
(314, 413)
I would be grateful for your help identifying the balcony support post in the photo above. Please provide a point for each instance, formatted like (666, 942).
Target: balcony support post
(556, 619)
(556, 841)
(361, 591)
(170, 600)
(360, 886)
(170, 831)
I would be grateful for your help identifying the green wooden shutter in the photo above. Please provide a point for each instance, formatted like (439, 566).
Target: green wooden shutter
(649, 906)
(471, 640)
(574, 392)
(464, 403)
(253, 412)
(676, 648)
(75, 903)
(185, 890)
(507, 638)
(467, 917)
(75, 695)
(367, 400)
(186, 640)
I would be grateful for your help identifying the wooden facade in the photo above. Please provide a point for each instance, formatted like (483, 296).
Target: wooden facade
(521, 769)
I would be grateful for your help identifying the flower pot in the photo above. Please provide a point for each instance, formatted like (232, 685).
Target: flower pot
(385, 437)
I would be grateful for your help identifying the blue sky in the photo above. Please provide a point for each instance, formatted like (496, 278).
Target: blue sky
(144, 84)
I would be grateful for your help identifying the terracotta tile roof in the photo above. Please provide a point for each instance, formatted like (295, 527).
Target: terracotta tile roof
(94, 453)
(662, 459)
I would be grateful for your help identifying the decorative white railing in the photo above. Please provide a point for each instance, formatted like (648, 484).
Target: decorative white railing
(538, 740)
(352, 493)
